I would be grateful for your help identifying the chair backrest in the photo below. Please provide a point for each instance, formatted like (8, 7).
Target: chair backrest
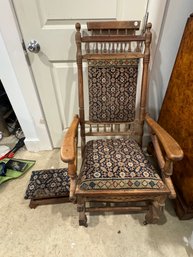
(112, 51)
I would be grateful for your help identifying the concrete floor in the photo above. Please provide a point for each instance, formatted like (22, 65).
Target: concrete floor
(53, 230)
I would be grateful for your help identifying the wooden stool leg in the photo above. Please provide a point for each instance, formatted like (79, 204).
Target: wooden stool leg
(81, 210)
(33, 204)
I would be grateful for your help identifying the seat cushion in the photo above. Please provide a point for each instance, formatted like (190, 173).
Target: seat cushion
(117, 164)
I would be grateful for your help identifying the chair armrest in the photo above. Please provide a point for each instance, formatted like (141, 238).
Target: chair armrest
(171, 147)
(68, 148)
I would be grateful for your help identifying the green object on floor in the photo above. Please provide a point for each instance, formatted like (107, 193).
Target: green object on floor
(12, 174)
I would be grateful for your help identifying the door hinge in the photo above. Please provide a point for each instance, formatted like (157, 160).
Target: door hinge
(25, 52)
(24, 47)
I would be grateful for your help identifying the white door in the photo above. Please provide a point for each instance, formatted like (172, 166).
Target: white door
(52, 24)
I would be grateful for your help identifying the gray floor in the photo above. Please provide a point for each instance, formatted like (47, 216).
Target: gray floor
(53, 230)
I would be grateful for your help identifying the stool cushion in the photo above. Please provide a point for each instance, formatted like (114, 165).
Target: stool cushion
(48, 184)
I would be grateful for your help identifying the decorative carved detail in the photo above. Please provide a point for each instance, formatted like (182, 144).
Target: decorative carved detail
(80, 208)
(155, 210)
(121, 198)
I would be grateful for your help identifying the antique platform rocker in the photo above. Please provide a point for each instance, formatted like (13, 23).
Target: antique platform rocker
(114, 171)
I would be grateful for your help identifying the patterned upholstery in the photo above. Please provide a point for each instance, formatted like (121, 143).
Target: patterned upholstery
(112, 90)
(47, 184)
(117, 164)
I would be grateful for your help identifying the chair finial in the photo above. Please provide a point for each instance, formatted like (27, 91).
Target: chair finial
(148, 26)
(78, 26)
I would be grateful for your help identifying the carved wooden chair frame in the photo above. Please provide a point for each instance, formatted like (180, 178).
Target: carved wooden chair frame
(110, 41)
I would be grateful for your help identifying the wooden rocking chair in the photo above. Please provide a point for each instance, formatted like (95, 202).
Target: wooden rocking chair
(114, 170)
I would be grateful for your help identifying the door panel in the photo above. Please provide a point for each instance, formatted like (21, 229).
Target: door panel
(65, 74)
(62, 10)
(52, 24)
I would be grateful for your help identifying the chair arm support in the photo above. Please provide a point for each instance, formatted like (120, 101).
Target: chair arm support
(171, 147)
(68, 148)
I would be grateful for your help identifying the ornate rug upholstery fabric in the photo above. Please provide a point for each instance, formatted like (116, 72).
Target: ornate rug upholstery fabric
(48, 183)
(112, 90)
(117, 164)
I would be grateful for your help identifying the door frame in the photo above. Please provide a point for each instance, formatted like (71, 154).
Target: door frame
(18, 82)
(16, 74)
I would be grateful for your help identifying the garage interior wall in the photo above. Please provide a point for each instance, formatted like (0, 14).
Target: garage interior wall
(174, 21)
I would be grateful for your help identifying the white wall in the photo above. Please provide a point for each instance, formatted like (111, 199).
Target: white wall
(175, 17)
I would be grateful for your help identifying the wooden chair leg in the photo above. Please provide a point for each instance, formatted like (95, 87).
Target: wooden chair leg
(81, 210)
(155, 211)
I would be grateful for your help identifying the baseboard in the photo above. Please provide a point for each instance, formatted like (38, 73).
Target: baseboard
(34, 145)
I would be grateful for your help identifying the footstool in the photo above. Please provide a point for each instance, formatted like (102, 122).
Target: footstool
(48, 187)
